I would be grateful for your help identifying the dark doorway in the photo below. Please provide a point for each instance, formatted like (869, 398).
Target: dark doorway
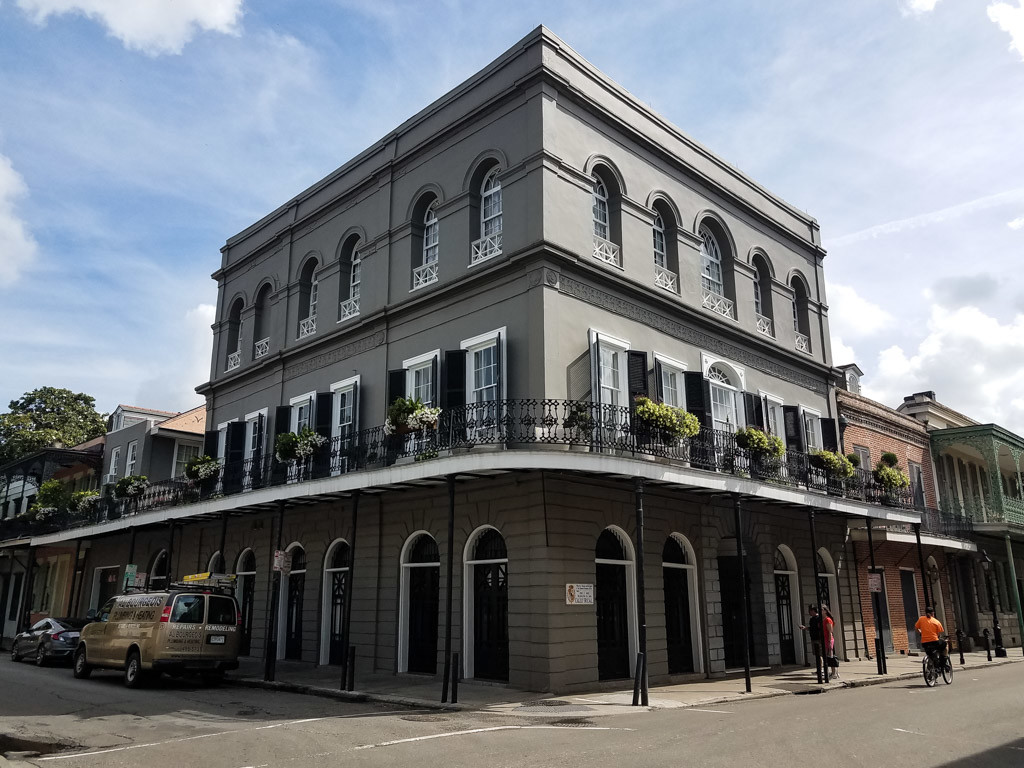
(424, 575)
(678, 626)
(246, 571)
(612, 608)
(296, 589)
(109, 586)
(784, 607)
(881, 611)
(911, 612)
(733, 589)
(490, 607)
(337, 582)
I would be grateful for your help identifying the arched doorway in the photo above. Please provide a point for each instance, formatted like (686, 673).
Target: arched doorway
(336, 580)
(157, 571)
(733, 585)
(293, 590)
(615, 604)
(215, 563)
(787, 603)
(245, 572)
(420, 591)
(682, 620)
(828, 592)
(486, 606)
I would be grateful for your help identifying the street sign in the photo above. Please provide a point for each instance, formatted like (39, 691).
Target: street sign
(874, 582)
(579, 594)
(130, 575)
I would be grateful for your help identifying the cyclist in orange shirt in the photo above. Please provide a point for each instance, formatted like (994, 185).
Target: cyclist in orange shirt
(930, 629)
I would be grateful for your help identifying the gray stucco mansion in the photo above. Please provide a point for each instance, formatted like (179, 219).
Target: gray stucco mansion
(529, 253)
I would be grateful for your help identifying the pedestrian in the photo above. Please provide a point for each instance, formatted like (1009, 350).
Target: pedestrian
(830, 638)
(813, 628)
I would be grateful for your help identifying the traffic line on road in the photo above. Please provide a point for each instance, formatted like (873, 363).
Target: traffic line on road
(716, 711)
(227, 733)
(491, 729)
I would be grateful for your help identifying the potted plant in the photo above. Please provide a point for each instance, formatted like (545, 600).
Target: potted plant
(834, 465)
(131, 487)
(854, 459)
(579, 422)
(84, 503)
(763, 449)
(407, 415)
(202, 468)
(663, 421)
(292, 446)
(890, 477)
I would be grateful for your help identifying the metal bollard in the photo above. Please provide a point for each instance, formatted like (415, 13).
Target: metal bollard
(350, 671)
(988, 643)
(960, 644)
(637, 676)
(455, 678)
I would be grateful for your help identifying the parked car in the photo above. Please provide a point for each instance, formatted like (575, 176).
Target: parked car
(191, 627)
(48, 640)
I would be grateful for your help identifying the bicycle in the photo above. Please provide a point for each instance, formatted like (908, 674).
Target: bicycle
(937, 662)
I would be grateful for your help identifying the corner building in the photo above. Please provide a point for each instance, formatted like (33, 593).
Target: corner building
(529, 253)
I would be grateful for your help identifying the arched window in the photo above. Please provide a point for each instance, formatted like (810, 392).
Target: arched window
(666, 254)
(716, 273)
(308, 289)
(425, 263)
(337, 565)
(485, 606)
(724, 398)
(763, 296)
(234, 359)
(490, 218)
(420, 601)
(261, 324)
(801, 317)
(787, 603)
(293, 590)
(682, 615)
(615, 605)
(606, 217)
(216, 563)
(245, 574)
(349, 283)
(158, 568)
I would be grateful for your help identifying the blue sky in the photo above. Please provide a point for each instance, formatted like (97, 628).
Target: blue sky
(136, 136)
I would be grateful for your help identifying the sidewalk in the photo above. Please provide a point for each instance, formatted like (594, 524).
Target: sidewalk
(425, 692)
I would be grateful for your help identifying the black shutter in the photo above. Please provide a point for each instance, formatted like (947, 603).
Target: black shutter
(258, 460)
(282, 424)
(829, 435)
(698, 398)
(396, 386)
(595, 370)
(211, 439)
(454, 395)
(636, 370)
(753, 410)
(435, 383)
(659, 381)
(499, 356)
(320, 461)
(355, 407)
(793, 427)
(579, 377)
(234, 449)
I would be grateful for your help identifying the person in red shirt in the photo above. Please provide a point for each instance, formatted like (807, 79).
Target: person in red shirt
(930, 630)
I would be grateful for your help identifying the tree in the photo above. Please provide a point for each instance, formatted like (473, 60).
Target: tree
(44, 416)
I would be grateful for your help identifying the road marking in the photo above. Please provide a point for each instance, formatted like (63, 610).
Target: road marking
(716, 711)
(228, 733)
(589, 701)
(490, 729)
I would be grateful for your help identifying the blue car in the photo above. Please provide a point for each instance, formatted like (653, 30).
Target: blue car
(48, 640)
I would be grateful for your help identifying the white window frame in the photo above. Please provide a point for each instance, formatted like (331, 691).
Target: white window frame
(477, 343)
(495, 221)
(403, 594)
(600, 212)
(816, 414)
(251, 419)
(706, 363)
(295, 402)
(693, 597)
(679, 368)
(431, 235)
(772, 402)
(469, 597)
(620, 346)
(131, 458)
(174, 459)
(660, 243)
(222, 441)
(758, 301)
(416, 363)
(864, 452)
(115, 460)
(348, 386)
(711, 270)
(631, 612)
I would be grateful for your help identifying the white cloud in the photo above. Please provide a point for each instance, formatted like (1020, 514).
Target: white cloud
(1011, 21)
(151, 26)
(852, 316)
(1017, 223)
(974, 362)
(17, 246)
(917, 7)
(184, 364)
(841, 353)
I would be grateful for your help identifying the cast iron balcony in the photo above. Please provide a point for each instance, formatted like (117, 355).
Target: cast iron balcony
(485, 248)
(665, 278)
(424, 275)
(607, 251)
(261, 348)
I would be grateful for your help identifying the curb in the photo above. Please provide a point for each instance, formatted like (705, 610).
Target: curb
(878, 680)
(353, 696)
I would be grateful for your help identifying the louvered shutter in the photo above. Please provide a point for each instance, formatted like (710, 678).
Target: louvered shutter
(659, 381)
(396, 386)
(829, 435)
(282, 424)
(234, 449)
(636, 375)
(211, 441)
(455, 410)
(698, 398)
(752, 408)
(794, 428)
(321, 459)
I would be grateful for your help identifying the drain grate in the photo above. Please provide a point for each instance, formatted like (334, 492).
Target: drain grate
(546, 703)
(578, 722)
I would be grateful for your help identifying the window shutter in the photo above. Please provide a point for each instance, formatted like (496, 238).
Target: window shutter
(396, 386)
(578, 378)
(455, 379)
(636, 370)
(659, 381)
(258, 460)
(794, 428)
(355, 407)
(234, 443)
(595, 369)
(753, 410)
(282, 421)
(698, 397)
(261, 431)
(498, 357)
(435, 382)
(322, 416)
(829, 435)
(210, 440)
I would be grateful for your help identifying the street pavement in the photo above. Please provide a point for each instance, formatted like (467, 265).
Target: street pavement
(92, 723)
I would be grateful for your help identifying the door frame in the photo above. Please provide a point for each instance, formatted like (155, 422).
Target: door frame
(469, 598)
(833, 590)
(94, 596)
(282, 601)
(795, 604)
(917, 611)
(888, 613)
(403, 594)
(632, 632)
(693, 598)
(328, 598)
(240, 587)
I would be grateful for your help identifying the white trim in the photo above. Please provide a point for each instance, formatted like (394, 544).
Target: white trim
(209, 563)
(482, 341)
(680, 367)
(295, 403)
(693, 596)
(299, 399)
(327, 596)
(421, 359)
(630, 566)
(767, 398)
(414, 364)
(174, 457)
(131, 457)
(795, 603)
(803, 430)
(469, 597)
(403, 593)
(707, 360)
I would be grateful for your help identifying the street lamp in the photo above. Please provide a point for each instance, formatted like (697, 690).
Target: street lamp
(986, 564)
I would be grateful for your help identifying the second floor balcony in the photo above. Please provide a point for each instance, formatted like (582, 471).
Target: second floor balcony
(718, 303)
(607, 251)
(234, 360)
(485, 248)
(307, 326)
(666, 278)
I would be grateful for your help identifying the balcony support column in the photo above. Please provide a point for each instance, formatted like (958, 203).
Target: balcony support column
(348, 675)
(1016, 592)
(4, 607)
(876, 610)
(920, 561)
(737, 509)
(223, 541)
(641, 593)
(74, 581)
(270, 646)
(448, 672)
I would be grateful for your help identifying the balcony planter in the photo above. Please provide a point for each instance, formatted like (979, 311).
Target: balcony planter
(578, 425)
(661, 423)
(891, 480)
(837, 469)
(764, 451)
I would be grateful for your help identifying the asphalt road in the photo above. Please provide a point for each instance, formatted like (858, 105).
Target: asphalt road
(92, 723)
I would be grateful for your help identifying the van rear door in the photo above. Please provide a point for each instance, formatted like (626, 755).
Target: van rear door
(184, 638)
(221, 631)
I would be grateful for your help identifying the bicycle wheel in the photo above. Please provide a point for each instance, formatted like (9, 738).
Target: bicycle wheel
(947, 671)
(928, 670)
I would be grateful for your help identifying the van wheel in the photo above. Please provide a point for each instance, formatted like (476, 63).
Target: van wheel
(133, 674)
(82, 668)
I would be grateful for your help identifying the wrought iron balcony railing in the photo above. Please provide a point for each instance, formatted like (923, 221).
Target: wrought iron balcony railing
(307, 327)
(349, 308)
(261, 348)
(607, 251)
(764, 325)
(234, 360)
(509, 424)
(666, 278)
(803, 343)
(485, 248)
(424, 275)
(719, 304)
